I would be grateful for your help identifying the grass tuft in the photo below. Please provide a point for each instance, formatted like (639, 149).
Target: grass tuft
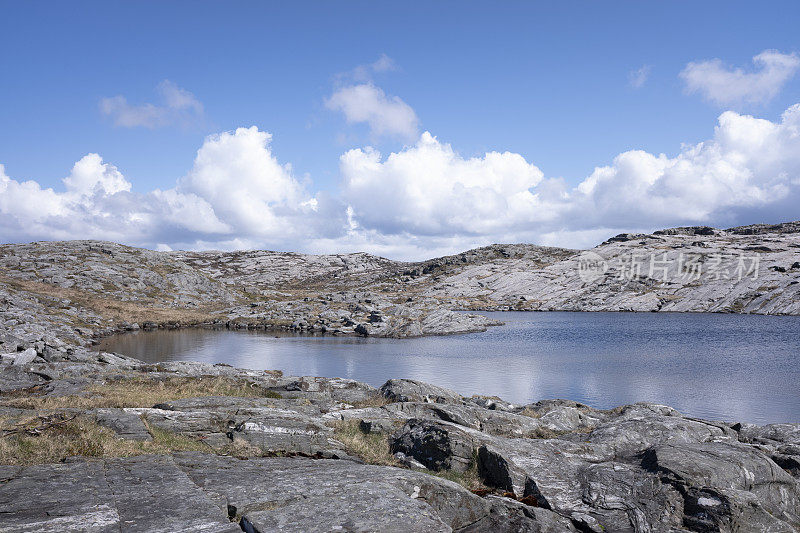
(469, 479)
(372, 448)
(373, 400)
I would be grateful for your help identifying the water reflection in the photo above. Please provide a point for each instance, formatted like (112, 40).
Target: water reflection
(731, 367)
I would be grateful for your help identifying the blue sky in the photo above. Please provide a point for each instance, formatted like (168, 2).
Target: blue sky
(551, 82)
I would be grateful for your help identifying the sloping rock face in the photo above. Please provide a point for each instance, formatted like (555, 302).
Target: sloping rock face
(553, 465)
(753, 269)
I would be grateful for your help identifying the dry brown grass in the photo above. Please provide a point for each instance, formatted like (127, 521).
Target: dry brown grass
(141, 393)
(469, 479)
(372, 448)
(113, 309)
(531, 413)
(54, 437)
(374, 400)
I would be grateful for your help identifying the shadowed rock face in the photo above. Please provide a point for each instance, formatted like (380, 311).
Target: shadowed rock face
(560, 466)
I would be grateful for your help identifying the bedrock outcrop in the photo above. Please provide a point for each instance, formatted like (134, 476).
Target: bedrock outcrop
(288, 453)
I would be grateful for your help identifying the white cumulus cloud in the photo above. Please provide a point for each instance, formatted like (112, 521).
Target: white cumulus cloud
(725, 86)
(748, 164)
(748, 168)
(177, 106)
(236, 191)
(385, 115)
(430, 189)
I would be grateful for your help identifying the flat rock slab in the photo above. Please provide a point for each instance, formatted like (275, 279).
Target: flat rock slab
(138, 494)
(196, 492)
(238, 405)
(14, 378)
(203, 425)
(126, 424)
(282, 428)
(304, 495)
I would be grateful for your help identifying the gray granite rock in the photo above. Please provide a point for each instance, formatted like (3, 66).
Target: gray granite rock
(435, 446)
(15, 378)
(273, 425)
(729, 484)
(409, 390)
(629, 436)
(125, 423)
(140, 494)
(509, 516)
(302, 495)
(21, 358)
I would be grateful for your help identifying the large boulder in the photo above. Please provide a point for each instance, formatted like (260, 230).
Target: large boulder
(727, 484)
(435, 445)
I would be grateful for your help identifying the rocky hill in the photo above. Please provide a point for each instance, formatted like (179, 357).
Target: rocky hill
(85, 288)
(751, 269)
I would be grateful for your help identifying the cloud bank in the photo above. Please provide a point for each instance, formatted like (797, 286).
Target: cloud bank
(423, 200)
(236, 195)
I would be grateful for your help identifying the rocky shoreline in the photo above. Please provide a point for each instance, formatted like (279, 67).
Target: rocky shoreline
(99, 442)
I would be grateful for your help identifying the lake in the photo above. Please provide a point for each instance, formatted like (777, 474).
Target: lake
(714, 366)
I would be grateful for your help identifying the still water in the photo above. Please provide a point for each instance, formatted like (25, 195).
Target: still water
(725, 367)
